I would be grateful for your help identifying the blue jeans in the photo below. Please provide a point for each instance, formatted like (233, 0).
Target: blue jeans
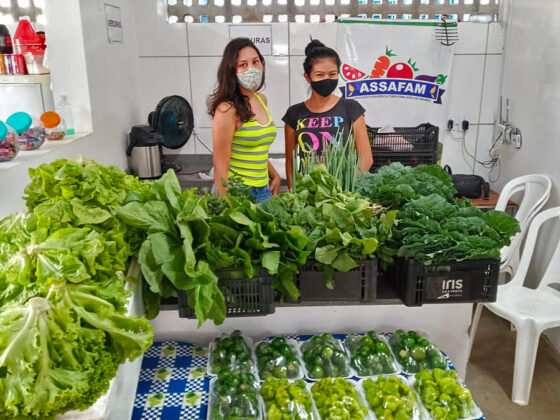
(260, 194)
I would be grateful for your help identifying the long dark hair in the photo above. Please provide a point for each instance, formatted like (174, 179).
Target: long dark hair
(315, 50)
(228, 87)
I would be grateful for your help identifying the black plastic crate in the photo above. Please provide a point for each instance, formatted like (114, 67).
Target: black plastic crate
(452, 282)
(355, 286)
(243, 296)
(410, 146)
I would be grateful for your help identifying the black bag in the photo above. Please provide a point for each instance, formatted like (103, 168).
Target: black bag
(470, 186)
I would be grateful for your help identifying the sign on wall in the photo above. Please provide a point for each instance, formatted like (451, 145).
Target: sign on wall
(261, 35)
(398, 72)
(114, 23)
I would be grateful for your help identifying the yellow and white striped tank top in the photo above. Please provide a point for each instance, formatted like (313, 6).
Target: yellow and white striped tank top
(249, 150)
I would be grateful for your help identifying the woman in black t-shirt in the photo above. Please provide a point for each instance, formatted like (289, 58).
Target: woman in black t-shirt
(324, 116)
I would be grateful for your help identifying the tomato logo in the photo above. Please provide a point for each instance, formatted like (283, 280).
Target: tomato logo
(402, 70)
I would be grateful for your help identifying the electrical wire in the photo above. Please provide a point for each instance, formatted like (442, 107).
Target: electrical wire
(201, 142)
(493, 152)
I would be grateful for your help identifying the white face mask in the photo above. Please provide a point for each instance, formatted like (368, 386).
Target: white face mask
(251, 78)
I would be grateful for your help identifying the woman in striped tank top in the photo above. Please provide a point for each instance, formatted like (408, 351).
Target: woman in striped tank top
(242, 127)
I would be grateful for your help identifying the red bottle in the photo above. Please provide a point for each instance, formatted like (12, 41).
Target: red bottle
(26, 40)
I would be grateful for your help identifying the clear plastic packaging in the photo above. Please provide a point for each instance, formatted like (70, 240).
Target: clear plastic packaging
(325, 356)
(290, 400)
(54, 126)
(8, 143)
(370, 355)
(337, 398)
(444, 396)
(414, 352)
(278, 357)
(391, 397)
(228, 353)
(31, 131)
(234, 395)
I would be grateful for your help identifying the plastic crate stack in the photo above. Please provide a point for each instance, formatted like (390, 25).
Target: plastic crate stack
(410, 146)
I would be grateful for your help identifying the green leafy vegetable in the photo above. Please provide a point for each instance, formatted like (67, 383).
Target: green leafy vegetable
(432, 231)
(341, 227)
(340, 159)
(395, 185)
(193, 240)
(82, 193)
(63, 326)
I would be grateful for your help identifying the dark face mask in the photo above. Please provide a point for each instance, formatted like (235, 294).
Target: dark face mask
(324, 87)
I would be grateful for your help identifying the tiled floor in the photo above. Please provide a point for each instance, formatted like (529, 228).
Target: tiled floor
(490, 374)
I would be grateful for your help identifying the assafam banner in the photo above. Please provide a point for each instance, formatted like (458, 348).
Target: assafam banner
(397, 70)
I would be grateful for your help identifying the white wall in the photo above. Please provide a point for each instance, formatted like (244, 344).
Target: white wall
(183, 59)
(101, 79)
(532, 84)
(66, 54)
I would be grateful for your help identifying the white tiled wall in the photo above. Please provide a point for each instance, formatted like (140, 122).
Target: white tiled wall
(183, 59)
(163, 76)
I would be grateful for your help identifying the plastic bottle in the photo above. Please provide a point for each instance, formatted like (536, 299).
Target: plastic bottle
(29, 43)
(64, 109)
(54, 126)
(8, 143)
(31, 131)
(5, 41)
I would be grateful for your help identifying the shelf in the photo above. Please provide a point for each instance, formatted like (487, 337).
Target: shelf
(27, 156)
(44, 79)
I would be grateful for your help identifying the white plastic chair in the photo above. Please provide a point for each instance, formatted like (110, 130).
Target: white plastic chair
(531, 311)
(536, 191)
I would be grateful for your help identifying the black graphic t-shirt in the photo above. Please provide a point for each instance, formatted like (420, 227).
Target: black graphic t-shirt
(313, 129)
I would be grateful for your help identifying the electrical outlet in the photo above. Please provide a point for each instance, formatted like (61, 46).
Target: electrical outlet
(455, 122)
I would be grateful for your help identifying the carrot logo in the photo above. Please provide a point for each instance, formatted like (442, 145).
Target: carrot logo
(382, 64)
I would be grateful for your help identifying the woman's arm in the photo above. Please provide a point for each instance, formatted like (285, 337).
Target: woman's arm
(223, 128)
(290, 141)
(272, 173)
(362, 144)
(274, 179)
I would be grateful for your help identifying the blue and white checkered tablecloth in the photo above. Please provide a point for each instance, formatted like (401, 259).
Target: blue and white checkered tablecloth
(173, 384)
